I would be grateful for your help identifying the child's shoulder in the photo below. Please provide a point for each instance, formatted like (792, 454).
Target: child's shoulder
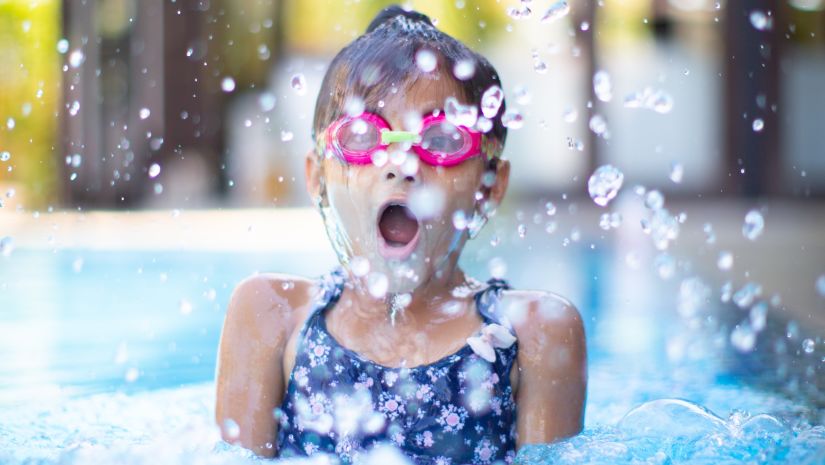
(271, 300)
(540, 316)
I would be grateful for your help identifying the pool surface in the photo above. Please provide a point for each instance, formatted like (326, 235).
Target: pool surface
(109, 356)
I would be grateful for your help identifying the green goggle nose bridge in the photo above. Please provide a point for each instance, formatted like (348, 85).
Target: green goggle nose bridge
(389, 137)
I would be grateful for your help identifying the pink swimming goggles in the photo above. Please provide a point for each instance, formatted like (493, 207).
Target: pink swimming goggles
(439, 143)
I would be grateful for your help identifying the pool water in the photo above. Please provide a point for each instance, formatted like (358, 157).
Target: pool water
(109, 357)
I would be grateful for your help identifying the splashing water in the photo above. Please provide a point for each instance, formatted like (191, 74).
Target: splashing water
(491, 101)
(227, 84)
(464, 69)
(604, 184)
(144, 113)
(754, 225)
(758, 125)
(154, 170)
(426, 60)
(512, 119)
(761, 21)
(557, 10)
(602, 86)
(298, 83)
(460, 115)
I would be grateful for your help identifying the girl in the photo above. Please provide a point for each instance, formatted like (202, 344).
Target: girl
(398, 346)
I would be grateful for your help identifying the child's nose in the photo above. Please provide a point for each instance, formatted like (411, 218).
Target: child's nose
(394, 172)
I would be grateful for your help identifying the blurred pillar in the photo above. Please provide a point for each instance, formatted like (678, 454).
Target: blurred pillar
(585, 39)
(193, 99)
(80, 113)
(752, 59)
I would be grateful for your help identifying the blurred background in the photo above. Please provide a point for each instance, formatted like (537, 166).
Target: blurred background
(151, 156)
(96, 92)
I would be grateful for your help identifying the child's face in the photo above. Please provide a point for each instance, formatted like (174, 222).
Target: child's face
(408, 251)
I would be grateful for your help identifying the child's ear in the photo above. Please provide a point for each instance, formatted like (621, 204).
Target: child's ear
(502, 179)
(312, 167)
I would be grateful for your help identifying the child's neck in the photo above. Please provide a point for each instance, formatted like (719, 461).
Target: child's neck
(442, 298)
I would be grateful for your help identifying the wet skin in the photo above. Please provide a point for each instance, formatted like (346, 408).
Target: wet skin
(260, 334)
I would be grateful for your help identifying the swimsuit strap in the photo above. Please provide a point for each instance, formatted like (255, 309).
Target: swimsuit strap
(487, 301)
(331, 286)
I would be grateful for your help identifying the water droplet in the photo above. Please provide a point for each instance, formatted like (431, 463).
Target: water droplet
(458, 114)
(754, 225)
(267, 101)
(602, 86)
(154, 170)
(228, 84)
(76, 58)
(62, 46)
(522, 230)
(598, 124)
(74, 107)
(233, 431)
(144, 113)
(550, 208)
(820, 285)
(263, 52)
(539, 66)
(654, 200)
(380, 158)
(359, 266)
(808, 346)
(677, 172)
(665, 265)
(725, 260)
(758, 316)
(522, 95)
(5, 156)
(132, 375)
(662, 102)
(604, 184)
(189, 52)
(497, 267)
(747, 294)
(6, 246)
(710, 236)
(491, 101)
(298, 83)
(426, 201)
(286, 136)
(464, 69)
(459, 220)
(484, 124)
(185, 307)
(10, 123)
(520, 12)
(354, 106)
(760, 21)
(556, 11)
(743, 337)
(758, 125)
(377, 284)
(426, 60)
(512, 119)
(570, 115)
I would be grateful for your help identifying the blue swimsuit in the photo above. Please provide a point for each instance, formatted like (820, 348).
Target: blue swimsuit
(456, 410)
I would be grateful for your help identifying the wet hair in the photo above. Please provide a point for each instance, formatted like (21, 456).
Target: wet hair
(383, 59)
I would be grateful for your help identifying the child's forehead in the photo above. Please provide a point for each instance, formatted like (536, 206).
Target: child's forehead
(420, 95)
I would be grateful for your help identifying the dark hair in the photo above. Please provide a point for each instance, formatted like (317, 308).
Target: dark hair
(384, 57)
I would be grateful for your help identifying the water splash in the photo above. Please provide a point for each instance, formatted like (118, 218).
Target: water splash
(557, 10)
(754, 225)
(604, 184)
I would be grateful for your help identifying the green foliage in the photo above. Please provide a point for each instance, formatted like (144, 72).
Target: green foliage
(29, 79)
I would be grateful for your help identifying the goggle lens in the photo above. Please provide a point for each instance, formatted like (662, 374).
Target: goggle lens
(358, 135)
(443, 139)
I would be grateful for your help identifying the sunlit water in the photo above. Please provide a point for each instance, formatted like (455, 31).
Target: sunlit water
(108, 357)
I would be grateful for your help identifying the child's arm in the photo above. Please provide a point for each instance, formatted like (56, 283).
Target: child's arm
(552, 376)
(260, 318)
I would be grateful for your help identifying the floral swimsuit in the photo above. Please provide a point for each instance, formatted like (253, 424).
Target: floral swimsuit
(456, 410)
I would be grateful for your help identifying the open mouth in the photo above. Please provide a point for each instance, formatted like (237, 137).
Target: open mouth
(398, 227)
